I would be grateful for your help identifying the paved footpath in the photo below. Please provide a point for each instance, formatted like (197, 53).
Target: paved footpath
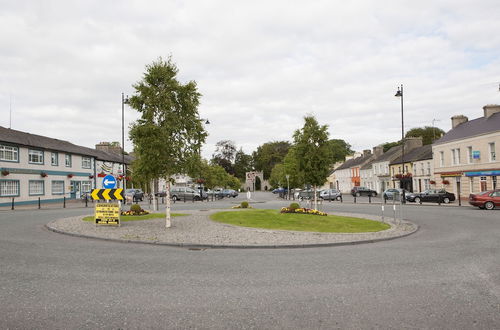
(197, 230)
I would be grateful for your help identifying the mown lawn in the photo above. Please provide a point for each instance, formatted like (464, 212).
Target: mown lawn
(273, 219)
(124, 218)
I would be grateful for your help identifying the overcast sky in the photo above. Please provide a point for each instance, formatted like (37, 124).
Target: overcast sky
(260, 65)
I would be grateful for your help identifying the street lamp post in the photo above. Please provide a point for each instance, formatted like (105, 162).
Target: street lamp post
(124, 101)
(288, 186)
(399, 93)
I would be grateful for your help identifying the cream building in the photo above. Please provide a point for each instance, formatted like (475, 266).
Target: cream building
(466, 158)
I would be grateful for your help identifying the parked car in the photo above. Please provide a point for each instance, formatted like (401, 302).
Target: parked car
(279, 190)
(431, 195)
(363, 191)
(184, 193)
(229, 193)
(395, 193)
(330, 194)
(161, 194)
(135, 194)
(308, 194)
(485, 199)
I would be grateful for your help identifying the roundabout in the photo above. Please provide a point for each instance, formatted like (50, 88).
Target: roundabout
(197, 230)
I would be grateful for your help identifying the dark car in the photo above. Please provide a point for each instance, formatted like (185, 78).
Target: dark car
(279, 190)
(485, 199)
(363, 191)
(431, 195)
(161, 194)
(330, 194)
(394, 193)
(135, 194)
(308, 194)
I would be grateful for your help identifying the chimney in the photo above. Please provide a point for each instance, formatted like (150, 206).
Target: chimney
(108, 147)
(378, 151)
(490, 109)
(412, 143)
(367, 152)
(457, 120)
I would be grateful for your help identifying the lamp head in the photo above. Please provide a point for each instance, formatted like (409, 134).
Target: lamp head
(399, 93)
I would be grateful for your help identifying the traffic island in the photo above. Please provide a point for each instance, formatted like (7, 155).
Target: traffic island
(196, 230)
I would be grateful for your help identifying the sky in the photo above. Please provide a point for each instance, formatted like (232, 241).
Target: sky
(261, 66)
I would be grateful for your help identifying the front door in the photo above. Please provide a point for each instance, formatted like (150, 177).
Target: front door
(76, 189)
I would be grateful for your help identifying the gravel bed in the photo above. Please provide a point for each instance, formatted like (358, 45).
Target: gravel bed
(197, 230)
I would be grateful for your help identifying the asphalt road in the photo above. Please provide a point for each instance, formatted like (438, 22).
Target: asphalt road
(446, 276)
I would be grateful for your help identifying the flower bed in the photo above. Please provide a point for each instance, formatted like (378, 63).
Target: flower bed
(141, 212)
(302, 211)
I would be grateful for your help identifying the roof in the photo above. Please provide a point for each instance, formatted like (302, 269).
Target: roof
(471, 128)
(389, 155)
(42, 142)
(420, 153)
(354, 162)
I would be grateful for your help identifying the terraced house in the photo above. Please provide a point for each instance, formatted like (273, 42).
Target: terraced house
(466, 158)
(36, 167)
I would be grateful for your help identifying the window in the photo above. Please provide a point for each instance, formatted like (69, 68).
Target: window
(86, 186)
(9, 188)
(36, 187)
(427, 184)
(8, 153)
(469, 155)
(54, 158)
(35, 156)
(493, 155)
(428, 168)
(86, 162)
(483, 183)
(57, 187)
(455, 156)
(441, 158)
(67, 160)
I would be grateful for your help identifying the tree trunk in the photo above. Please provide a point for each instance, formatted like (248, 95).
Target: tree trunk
(315, 199)
(168, 223)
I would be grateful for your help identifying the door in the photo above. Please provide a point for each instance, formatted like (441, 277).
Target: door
(75, 189)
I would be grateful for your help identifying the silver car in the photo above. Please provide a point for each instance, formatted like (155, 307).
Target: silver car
(184, 193)
(330, 194)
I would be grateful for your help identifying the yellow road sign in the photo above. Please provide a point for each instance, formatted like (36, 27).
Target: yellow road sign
(107, 194)
(107, 214)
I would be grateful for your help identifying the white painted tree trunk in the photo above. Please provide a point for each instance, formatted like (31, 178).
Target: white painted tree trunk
(153, 190)
(168, 223)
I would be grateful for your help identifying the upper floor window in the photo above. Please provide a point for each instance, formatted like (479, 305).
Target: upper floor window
(86, 162)
(428, 168)
(8, 153)
(35, 156)
(67, 160)
(441, 158)
(493, 155)
(455, 156)
(54, 158)
(469, 155)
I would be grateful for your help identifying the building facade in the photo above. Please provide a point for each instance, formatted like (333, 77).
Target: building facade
(34, 167)
(466, 158)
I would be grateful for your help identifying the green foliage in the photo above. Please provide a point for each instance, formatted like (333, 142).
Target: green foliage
(294, 206)
(429, 134)
(242, 164)
(340, 149)
(389, 145)
(224, 155)
(278, 176)
(169, 134)
(244, 205)
(268, 155)
(216, 176)
(135, 208)
(313, 151)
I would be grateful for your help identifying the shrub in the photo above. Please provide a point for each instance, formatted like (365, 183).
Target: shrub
(294, 206)
(136, 208)
(244, 205)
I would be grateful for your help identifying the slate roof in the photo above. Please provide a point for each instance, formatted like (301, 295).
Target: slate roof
(389, 155)
(354, 162)
(473, 127)
(420, 153)
(42, 142)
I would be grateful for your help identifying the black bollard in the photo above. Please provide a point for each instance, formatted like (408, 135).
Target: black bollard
(354, 199)
(370, 198)
(64, 202)
(12, 203)
(39, 203)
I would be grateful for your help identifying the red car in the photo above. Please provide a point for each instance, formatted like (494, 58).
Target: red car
(485, 199)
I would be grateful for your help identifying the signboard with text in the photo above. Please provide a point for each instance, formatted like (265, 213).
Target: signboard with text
(107, 214)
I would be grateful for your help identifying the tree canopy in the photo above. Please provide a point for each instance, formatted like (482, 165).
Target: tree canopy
(428, 133)
(268, 155)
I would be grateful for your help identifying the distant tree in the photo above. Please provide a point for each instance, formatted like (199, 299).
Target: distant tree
(242, 164)
(389, 145)
(268, 155)
(225, 152)
(313, 152)
(429, 134)
(278, 176)
(291, 167)
(340, 149)
(168, 135)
